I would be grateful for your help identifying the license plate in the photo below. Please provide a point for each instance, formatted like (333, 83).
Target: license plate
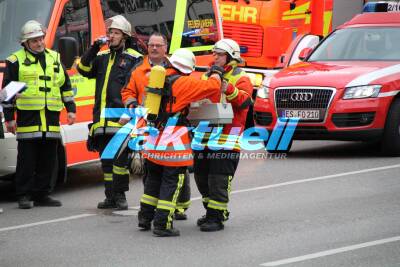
(303, 114)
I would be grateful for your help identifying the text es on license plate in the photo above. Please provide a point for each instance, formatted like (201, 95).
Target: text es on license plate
(303, 114)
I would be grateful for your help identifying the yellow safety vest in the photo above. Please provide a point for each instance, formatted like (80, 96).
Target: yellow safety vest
(43, 86)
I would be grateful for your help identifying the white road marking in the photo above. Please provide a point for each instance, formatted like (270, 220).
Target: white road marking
(331, 252)
(45, 222)
(303, 181)
(131, 211)
(317, 178)
(233, 192)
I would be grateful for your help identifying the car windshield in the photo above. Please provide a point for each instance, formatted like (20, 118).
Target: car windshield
(13, 14)
(360, 44)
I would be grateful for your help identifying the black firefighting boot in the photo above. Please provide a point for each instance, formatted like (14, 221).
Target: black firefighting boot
(46, 201)
(201, 220)
(214, 221)
(24, 202)
(211, 226)
(108, 202)
(120, 201)
(143, 222)
(162, 232)
(180, 215)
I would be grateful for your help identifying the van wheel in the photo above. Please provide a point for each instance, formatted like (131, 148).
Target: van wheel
(59, 175)
(391, 136)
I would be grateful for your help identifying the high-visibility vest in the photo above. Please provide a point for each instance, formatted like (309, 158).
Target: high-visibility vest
(220, 138)
(43, 86)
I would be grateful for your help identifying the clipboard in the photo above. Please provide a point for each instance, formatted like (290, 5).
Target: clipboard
(13, 88)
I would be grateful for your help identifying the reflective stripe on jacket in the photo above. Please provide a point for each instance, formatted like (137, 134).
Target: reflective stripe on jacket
(111, 69)
(43, 86)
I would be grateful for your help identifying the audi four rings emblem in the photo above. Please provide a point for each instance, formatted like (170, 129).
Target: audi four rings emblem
(301, 97)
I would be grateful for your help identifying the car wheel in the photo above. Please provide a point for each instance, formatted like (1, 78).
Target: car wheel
(391, 136)
(280, 151)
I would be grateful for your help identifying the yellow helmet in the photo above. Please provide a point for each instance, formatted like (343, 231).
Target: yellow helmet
(31, 29)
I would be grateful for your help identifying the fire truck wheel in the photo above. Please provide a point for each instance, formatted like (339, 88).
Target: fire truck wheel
(391, 136)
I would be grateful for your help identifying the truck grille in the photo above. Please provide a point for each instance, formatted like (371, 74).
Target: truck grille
(247, 35)
(306, 98)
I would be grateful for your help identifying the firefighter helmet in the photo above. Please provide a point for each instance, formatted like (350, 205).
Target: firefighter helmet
(121, 23)
(183, 59)
(31, 29)
(229, 46)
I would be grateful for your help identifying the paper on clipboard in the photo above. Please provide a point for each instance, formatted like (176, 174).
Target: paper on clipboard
(13, 88)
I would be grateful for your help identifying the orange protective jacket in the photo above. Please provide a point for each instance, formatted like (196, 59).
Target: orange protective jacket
(134, 91)
(185, 90)
(238, 93)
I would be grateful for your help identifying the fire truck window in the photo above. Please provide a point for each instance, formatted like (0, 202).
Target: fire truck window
(146, 16)
(200, 24)
(74, 23)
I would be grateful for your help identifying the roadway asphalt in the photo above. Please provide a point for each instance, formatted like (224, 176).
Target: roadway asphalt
(325, 204)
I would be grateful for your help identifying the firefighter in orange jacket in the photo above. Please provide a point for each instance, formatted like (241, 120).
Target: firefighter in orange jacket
(214, 174)
(166, 168)
(132, 97)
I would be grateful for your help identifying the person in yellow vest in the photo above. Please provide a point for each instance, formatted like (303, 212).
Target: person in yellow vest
(111, 68)
(37, 127)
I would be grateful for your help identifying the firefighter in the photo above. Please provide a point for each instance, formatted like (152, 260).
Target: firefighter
(38, 109)
(166, 168)
(111, 69)
(213, 175)
(132, 96)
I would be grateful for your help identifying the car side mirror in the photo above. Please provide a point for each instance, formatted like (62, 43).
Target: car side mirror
(305, 53)
(68, 49)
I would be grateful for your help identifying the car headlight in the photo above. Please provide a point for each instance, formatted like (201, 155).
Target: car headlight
(263, 92)
(364, 91)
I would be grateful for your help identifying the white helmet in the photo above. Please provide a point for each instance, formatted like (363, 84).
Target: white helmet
(183, 59)
(121, 23)
(31, 29)
(229, 46)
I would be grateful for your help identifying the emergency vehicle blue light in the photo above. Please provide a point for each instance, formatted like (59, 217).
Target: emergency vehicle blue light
(244, 49)
(376, 7)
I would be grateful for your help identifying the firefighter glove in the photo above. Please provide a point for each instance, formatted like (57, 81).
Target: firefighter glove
(216, 70)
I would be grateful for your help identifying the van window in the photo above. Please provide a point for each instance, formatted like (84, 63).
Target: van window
(196, 27)
(74, 22)
(14, 14)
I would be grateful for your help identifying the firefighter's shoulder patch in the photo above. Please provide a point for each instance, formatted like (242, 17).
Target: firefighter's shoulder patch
(12, 58)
